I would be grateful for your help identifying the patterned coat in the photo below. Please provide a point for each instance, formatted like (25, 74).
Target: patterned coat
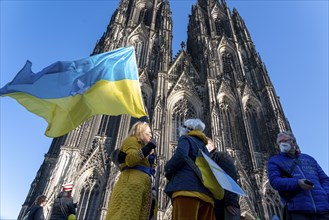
(131, 197)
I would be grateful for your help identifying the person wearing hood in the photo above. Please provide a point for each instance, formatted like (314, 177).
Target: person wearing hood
(302, 185)
(190, 199)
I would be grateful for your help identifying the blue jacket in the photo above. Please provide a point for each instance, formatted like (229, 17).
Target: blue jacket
(305, 201)
(182, 176)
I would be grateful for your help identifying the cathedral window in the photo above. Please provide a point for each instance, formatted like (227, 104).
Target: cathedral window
(227, 65)
(216, 122)
(92, 203)
(147, 18)
(152, 65)
(158, 117)
(142, 15)
(139, 52)
(245, 60)
(145, 97)
(108, 126)
(103, 126)
(254, 128)
(218, 27)
(89, 198)
(182, 110)
(226, 125)
(271, 199)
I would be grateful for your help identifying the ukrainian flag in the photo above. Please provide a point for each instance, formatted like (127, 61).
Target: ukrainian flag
(223, 179)
(67, 93)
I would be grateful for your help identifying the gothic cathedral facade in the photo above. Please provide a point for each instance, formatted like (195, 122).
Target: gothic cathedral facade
(218, 76)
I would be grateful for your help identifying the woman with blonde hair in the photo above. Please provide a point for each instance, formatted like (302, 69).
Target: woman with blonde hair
(131, 197)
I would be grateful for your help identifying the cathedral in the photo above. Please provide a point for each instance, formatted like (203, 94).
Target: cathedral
(217, 76)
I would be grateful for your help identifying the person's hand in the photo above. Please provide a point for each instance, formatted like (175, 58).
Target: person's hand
(303, 185)
(117, 157)
(121, 157)
(168, 176)
(232, 210)
(152, 143)
(149, 147)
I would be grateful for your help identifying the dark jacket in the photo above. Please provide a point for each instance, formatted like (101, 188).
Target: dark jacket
(66, 201)
(36, 213)
(305, 201)
(225, 161)
(181, 175)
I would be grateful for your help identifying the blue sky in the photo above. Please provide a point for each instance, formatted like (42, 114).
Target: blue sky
(290, 36)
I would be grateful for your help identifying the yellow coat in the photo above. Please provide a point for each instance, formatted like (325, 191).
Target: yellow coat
(131, 195)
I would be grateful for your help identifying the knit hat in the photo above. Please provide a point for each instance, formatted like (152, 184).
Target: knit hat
(68, 186)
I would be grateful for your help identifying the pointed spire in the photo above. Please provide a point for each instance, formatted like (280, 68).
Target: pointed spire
(224, 3)
(182, 45)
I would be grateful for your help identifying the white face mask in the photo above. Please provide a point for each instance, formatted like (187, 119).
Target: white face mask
(209, 148)
(182, 131)
(285, 147)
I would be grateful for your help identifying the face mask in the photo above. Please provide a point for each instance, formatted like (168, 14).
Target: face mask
(285, 147)
(182, 131)
(209, 148)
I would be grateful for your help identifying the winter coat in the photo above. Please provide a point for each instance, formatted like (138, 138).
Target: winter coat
(67, 205)
(36, 213)
(181, 175)
(131, 197)
(304, 201)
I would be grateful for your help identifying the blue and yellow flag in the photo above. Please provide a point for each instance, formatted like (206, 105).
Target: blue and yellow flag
(223, 179)
(67, 93)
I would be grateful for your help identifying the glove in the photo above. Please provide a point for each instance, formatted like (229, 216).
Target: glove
(118, 157)
(168, 176)
(151, 158)
(149, 147)
(121, 157)
(154, 142)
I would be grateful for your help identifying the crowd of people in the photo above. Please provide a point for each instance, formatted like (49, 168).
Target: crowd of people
(301, 183)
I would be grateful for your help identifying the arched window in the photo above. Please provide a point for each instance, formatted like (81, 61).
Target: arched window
(142, 15)
(108, 125)
(89, 198)
(226, 124)
(254, 127)
(218, 27)
(227, 65)
(272, 204)
(139, 53)
(182, 110)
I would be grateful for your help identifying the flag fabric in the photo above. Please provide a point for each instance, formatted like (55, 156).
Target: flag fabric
(208, 178)
(68, 93)
(224, 180)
